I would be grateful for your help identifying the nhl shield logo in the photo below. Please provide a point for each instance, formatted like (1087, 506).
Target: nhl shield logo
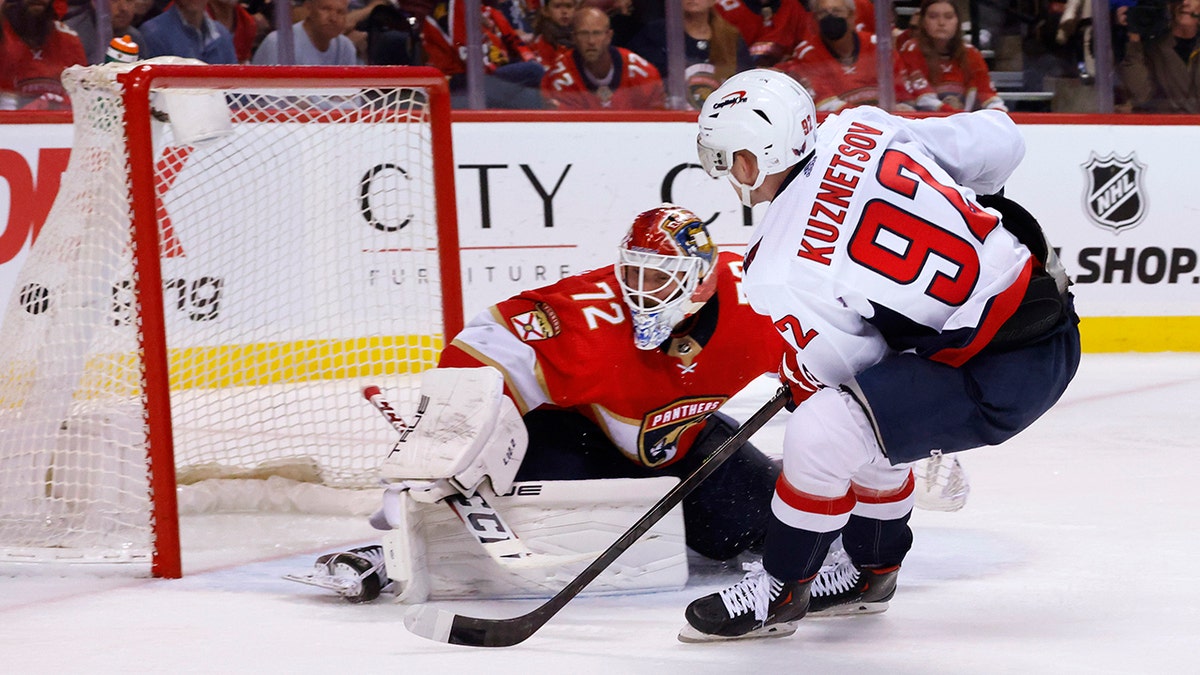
(1115, 198)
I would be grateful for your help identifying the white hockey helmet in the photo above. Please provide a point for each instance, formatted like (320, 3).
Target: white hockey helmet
(665, 268)
(764, 112)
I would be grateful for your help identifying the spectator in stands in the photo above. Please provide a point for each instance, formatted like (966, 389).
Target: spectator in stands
(939, 70)
(552, 30)
(595, 75)
(358, 20)
(124, 12)
(80, 16)
(713, 49)
(625, 17)
(34, 49)
(520, 15)
(838, 64)
(512, 71)
(1053, 46)
(770, 28)
(387, 34)
(185, 30)
(148, 9)
(1161, 68)
(317, 40)
(263, 13)
(240, 23)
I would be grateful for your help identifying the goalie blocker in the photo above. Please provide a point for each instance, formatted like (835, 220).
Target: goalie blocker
(469, 431)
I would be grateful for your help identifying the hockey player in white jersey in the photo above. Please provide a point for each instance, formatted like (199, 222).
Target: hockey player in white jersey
(923, 312)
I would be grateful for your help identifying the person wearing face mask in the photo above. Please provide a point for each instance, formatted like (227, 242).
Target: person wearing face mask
(835, 62)
(864, 10)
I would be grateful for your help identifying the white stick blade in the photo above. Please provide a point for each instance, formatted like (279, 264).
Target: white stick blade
(429, 622)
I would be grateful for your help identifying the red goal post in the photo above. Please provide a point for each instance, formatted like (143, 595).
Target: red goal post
(235, 251)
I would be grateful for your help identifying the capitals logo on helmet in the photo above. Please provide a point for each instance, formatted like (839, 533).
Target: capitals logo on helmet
(665, 270)
(764, 112)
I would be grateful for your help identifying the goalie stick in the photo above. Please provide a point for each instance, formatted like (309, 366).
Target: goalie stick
(375, 397)
(443, 626)
(485, 524)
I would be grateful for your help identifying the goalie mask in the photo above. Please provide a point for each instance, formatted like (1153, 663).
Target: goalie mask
(665, 268)
(764, 112)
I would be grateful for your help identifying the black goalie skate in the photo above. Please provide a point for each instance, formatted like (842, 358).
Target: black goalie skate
(358, 575)
(757, 606)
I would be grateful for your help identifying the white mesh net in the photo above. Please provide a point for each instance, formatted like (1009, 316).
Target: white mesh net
(299, 263)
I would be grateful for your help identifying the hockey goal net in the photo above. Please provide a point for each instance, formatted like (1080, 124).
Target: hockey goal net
(233, 254)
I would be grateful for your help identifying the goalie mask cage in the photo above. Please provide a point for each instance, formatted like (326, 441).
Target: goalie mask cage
(233, 254)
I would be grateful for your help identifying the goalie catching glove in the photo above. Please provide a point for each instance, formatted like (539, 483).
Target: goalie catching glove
(469, 431)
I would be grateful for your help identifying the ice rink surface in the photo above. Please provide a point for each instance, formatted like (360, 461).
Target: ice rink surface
(1076, 553)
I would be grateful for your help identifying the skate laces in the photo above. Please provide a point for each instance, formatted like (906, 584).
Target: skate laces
(753, 593)
(839, 576)
(373, 555)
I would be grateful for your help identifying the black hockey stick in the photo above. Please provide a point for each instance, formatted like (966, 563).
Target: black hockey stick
(443, 626)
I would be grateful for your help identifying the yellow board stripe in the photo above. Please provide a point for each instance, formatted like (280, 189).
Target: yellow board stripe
(117, 375)
(1140, 333)
(302, 361)
(258, 364)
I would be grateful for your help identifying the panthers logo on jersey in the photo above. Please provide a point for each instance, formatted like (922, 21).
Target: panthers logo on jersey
(540, 323)
(662, 428)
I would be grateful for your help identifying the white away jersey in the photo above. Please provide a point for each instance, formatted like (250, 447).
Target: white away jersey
(877, 247)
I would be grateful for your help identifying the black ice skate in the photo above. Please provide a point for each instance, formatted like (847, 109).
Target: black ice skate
(843, 588)
(358, 575)
(757, 606)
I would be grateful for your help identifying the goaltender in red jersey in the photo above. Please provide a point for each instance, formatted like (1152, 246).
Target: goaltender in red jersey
(602, 379)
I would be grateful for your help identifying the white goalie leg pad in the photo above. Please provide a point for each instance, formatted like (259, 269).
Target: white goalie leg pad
(561, 519)
(404, 548)
(469, 431)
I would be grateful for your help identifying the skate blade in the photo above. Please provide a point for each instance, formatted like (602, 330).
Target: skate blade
(338, 585)
(692, 636)
(850, 609)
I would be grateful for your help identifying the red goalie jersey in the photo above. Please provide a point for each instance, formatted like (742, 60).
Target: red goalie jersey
(570, 346)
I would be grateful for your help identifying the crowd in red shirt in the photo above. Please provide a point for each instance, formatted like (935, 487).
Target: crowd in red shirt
(569, 54)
